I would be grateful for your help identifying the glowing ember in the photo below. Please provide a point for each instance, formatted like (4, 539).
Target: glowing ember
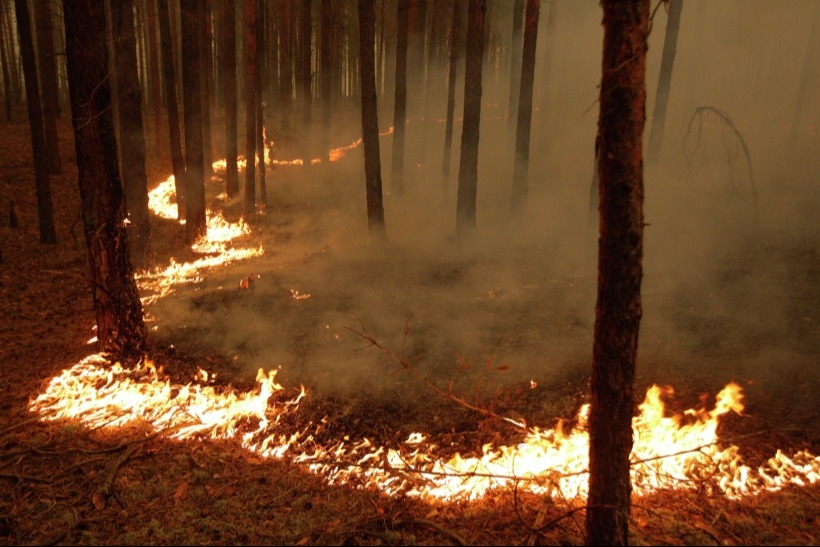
(668, 454)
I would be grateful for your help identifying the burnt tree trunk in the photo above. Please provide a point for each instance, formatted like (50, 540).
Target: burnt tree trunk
(468, 165)
(664, 80)
(229, 80)
(172, 104)
(620, 251)
(250, 106)
(45, 210)
(156, 80)
(205, 82)
(48, 84)
(521, 165)
(131, 132)
(400, 100)
(120, 324)
(370, 120)
(195, 221)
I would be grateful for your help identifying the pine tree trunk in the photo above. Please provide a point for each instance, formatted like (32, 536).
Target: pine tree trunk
(326, 74)
(515, 61)
(524, 115)
(250, 107)
(172, 104)
(156, 88)
(400, 101)
(206, 83)
(45, 210)
(229, 81)
(120, 325)
(664, 80)
(370, 121)
(48, 84)
(195, 221)
(620, 250)
(468, 165)
(455, 45)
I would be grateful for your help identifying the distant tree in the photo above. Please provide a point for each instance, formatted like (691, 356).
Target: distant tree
(48, 83)
(370, 120)
(285, 64)
(810, 63)
(45, 210)
(206, 82)
(326, 73)
(455, 46)
(664, 80)
(260, 111)
(169, 80)
(400, 100)
(515, 61)
(228, 61)
(468, 165)
(621, 121)
(305, 76)
(251, 7)
(131, 133)
(156, 80)
(120, 324)
(521, 163)
(195, 221)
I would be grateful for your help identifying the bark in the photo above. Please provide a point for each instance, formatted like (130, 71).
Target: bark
(45, 211)
(48, 84)
(664, 80)
(195, 221)
(156, 88)
(455, 44)
(468, 165)
(285, 64)
(229, 81)
(515, 61)
(206, 82)
(131, 133)
(250, 106)
(400, 100)
(120, 325)
(370, 121)
(524, 104)
(620, 249)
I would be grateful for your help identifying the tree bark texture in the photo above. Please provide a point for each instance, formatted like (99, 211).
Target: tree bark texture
(45, 210)
(468, 165)
(370, 120)
(620, 249)
(131, 131)
(664, 81)
(195, 221)
(120, 325)
(48, 84)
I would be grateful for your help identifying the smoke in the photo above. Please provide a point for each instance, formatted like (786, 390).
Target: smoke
(728, 289)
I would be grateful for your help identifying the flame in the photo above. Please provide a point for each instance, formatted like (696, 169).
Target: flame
(670, 452)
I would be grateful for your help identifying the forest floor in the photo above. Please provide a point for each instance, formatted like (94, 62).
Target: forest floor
(65, 482)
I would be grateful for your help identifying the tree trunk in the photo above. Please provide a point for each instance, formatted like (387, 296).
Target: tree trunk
(370, 120)
(45, 211)
(172, 104)
(156, 91)
(195, 221)
(662, 94)
(455, 44)
(205, 41)
(48, 84)
(620, 249)
(400, 100)
(120, 325)
(250, 107)
(260, 111)
(326, 74)
(515, 61)
(131, 133)
(8, 88)
(468, 165)
(808, 76)
(285, 64)
(14, 54)
(229, 80)
(305, 78)
(521, 165)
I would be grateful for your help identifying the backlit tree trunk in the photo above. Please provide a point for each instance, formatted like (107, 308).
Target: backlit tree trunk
(205, 82)
(45, 211)
(120, 325)
(172, 104)
(620, 251)
(468, 165)
(326, 74)
(370, 120)
(250, 106)
(48, 84)
(229, 80)
(515, 61)
(400, 100)
(455, 45)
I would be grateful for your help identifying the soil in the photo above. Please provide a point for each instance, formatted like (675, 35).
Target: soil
(455, 343)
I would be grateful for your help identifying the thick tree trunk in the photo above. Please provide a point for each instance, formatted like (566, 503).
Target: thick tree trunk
(229, 80)
(195, 221)
(620, 250)
(664, 80)
(521, 166)
(48, 84)
(45, 210)
(468, 165)
(131, 133)
(400, 100)
(120, 325)
(250, 107)
(172, 104)
(455, 45)
(370, 121)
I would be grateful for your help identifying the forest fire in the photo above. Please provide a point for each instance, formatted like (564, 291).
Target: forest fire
(670, 451)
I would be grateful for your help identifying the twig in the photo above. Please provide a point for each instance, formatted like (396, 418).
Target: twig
(105, 487)
(435, 526)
